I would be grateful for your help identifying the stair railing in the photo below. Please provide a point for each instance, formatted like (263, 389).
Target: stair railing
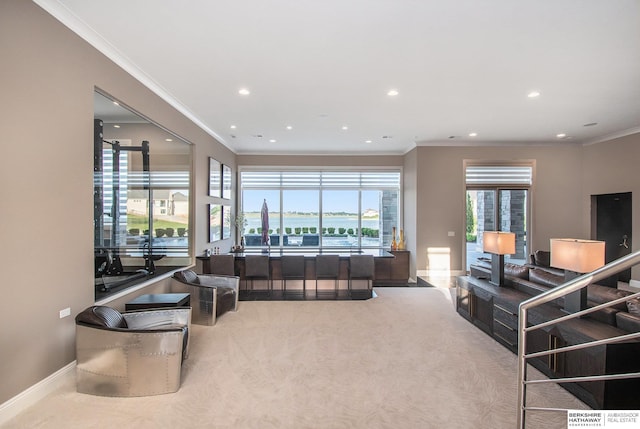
(560, 291)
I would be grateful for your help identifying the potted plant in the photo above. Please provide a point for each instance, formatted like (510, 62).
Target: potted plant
(240, 223)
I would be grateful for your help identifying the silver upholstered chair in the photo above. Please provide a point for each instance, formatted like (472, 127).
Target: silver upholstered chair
(211, 295)
(328, 268)
(361, 267)
(136, 353)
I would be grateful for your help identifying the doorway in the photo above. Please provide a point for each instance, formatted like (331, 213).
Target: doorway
(612, 217)
(496, 209)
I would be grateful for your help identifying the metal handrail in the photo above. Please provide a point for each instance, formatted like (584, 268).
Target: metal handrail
(560, 291)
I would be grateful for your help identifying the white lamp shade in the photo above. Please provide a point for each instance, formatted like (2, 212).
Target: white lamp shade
(580, 256)
(499, 243)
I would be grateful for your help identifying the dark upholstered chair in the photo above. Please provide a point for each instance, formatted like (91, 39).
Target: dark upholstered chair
(293, 269)
(361, 267)
(136, 353)
(328, 268)
(211, 295)
(256, 267)
(222, 264)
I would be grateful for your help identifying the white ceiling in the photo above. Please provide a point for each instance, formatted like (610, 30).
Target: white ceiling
(460, 66)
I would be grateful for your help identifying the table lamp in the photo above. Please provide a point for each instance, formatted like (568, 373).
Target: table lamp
(576, 257)
(498, 243)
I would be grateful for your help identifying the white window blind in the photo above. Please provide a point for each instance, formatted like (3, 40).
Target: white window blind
(320, 179)
(499, 175)
(160, 179)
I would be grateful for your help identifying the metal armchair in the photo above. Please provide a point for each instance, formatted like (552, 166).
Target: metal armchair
(131, 354)
(211, 295)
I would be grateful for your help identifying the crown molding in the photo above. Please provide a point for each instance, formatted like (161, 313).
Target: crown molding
(82, 29)
(612, 136)
(483, 143)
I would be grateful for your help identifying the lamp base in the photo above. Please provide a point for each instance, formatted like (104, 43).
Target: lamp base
(575, 301)
(497, 270)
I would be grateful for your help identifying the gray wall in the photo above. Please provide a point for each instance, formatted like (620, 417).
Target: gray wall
(410, 209)
(610, 168)
(48, 76)
(556, 195)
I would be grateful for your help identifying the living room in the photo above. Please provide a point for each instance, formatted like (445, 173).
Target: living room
(49, 76)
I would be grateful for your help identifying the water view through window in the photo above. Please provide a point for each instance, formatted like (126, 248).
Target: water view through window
(321, 214)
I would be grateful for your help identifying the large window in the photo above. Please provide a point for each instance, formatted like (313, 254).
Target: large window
(328, 209)
(497, 199)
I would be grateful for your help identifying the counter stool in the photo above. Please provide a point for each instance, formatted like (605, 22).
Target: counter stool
(256, 267)
(361, 267)
(327, 268)
(222, 265)
(293, 269)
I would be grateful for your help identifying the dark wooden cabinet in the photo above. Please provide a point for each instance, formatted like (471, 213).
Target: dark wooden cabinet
(505, 324)
(600, 360)
(463, 302)
(495, 311)
(482, 310)
(475, 305)
(392, 271)
(400, 266)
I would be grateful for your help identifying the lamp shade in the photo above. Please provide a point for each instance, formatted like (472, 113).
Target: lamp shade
(580, 256)
(499, 243)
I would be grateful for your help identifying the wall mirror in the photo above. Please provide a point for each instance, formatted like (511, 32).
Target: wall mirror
(214, 178)
(141, 198)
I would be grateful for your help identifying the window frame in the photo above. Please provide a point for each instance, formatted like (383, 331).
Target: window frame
(320, 187)
(499, 186)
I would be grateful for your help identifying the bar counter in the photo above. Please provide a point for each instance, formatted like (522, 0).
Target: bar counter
(275, 253)
(391, 266)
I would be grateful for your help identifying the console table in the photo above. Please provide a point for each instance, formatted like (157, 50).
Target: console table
(494, 310)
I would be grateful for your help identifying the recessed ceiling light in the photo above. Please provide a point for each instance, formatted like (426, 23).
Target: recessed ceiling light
(272, 141)
(289, 127)
(473, 134)
(168, 140)
(392, 92)
(533, 94)
(233, 127)
(367, 141)
(344, 127)
(116, 126)
(561, 135)
(244, 91)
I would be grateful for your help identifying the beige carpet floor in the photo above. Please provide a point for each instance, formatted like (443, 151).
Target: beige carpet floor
(403, 360)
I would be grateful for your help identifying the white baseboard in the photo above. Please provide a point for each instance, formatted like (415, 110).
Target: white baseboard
(634, 283)
(35, 393)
